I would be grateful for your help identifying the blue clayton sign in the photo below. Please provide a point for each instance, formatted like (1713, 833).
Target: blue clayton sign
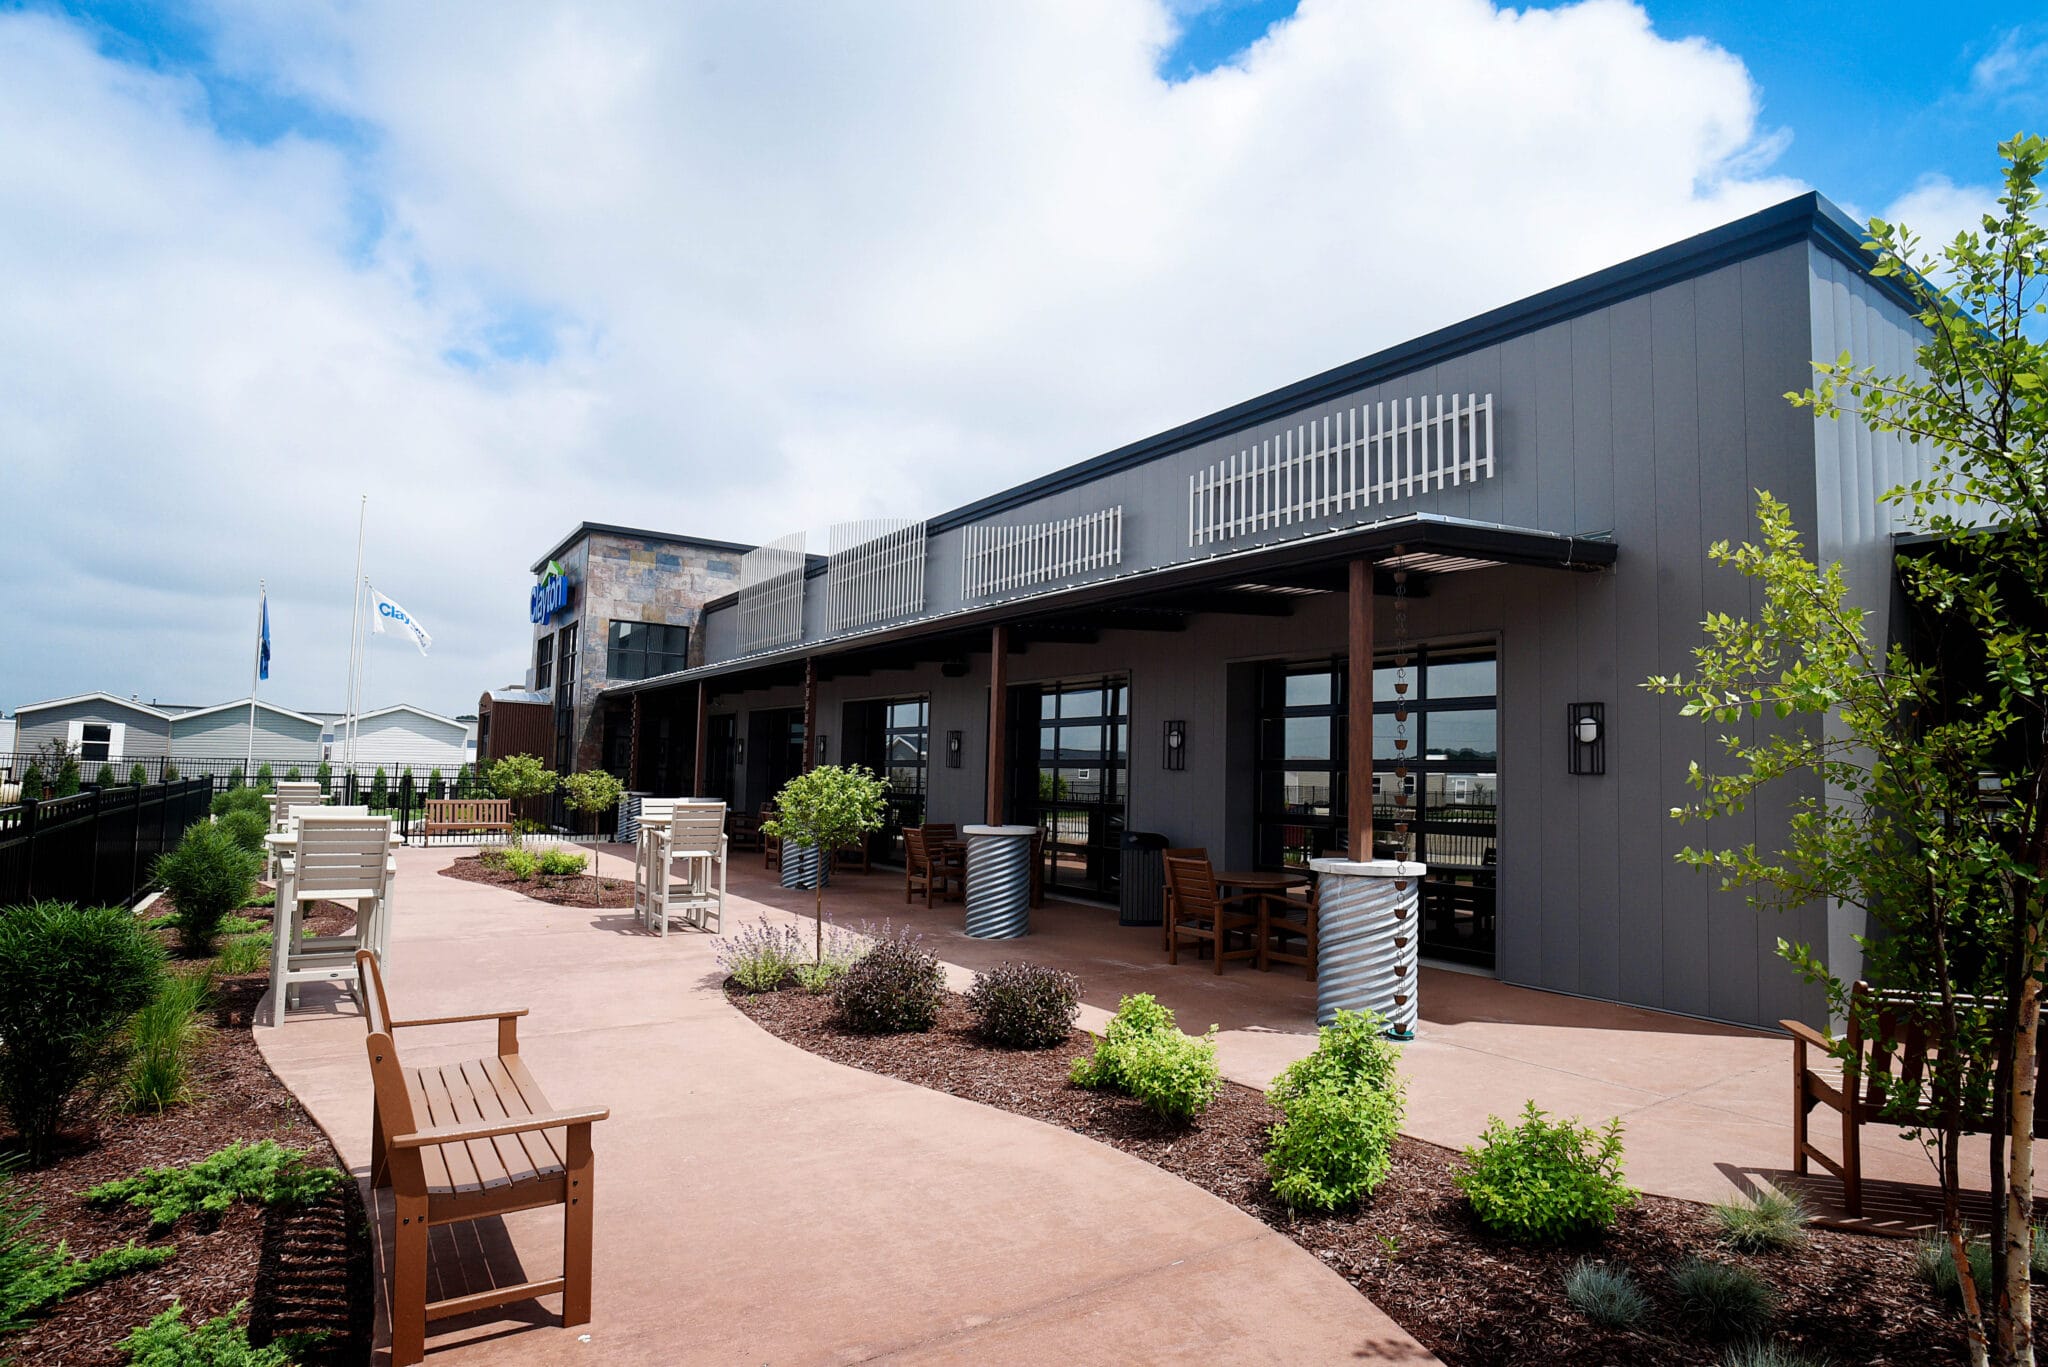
(550, 595)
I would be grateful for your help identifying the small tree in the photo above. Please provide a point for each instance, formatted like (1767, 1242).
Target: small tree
(292, 775)
(105, 777)
(830, 807)
(324, 772)
(520, 778)
(137, 776)
(236, 777)
(465, 780)
(171, 774)
(33, 782)
(434, 783)
(265, 780)
(592, 792)
(380, 790)
(68, 781)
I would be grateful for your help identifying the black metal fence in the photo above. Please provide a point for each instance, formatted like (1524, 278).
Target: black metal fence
(94, 848)
(228, 773)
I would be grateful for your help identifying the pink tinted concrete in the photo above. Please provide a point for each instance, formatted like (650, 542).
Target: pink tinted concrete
(758, 1204)
(1706, 1108)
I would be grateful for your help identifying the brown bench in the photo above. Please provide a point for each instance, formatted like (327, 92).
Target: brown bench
(1877, 1074)
(468, 815)
(464, 1141)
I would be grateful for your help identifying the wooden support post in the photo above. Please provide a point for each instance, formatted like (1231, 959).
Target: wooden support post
(998, 725)
(1358, 691)
(703, 739)
(810, 713)
(633, 735)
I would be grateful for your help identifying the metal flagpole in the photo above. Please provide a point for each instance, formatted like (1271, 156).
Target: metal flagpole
(355, 621)
(255, 669)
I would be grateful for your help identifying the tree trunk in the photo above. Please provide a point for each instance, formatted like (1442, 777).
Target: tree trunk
(1959, 1251)
(818, 908)
(2016, 1308)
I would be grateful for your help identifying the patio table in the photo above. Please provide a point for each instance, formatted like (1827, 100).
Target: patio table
(1263, 880)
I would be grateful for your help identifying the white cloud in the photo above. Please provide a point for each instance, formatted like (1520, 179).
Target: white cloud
(790, 264)
(1936, 209)
(2013, 66)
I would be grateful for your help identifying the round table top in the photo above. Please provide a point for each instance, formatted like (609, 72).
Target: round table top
(1262, 878)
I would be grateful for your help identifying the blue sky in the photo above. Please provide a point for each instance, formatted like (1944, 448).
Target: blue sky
(1873, 96)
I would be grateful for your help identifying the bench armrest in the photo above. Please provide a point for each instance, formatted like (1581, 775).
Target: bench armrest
(1806, 1034)
(490, 1129)
(462, 1020)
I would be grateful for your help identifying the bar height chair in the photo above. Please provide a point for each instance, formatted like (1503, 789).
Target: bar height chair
(694, 836)
(340, 855)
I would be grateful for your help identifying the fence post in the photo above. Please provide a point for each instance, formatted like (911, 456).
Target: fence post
(134, 841)
(98, 805)
(28, 826)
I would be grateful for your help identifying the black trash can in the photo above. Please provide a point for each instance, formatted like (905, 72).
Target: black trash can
(1142, 900)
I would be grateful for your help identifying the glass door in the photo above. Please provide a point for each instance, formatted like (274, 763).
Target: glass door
(1074, 744)
(891, 736)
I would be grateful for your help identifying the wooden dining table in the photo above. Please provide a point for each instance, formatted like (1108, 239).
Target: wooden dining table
(1262, 880)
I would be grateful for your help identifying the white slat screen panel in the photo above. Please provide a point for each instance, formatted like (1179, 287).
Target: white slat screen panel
(1356, 457)
(876, 573)
(771, 593)
(996, 559)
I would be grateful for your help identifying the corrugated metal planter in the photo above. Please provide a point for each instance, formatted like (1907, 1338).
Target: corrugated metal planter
(1368, 940)
(998, 881)
(800, 866)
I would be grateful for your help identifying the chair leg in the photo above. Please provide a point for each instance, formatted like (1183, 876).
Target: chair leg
(576, 1228)
(1264, 961)
(280, 954)
(409, 1282)
(1852, 1164)
(1799, 1112)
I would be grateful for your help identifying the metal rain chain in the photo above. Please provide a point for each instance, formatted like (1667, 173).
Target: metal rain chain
(1403, 802)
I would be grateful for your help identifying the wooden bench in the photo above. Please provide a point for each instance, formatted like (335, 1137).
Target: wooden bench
(468, 815)
(464, 1141)
(1877, 1074)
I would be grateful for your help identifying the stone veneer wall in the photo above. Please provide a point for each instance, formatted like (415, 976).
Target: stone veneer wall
(637, 579)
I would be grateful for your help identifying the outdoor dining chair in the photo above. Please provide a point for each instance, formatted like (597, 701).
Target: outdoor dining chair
(339, 855)
(693, 836)
(933, 862)
(1200, 912)
(1166, 892)
(1289, 934)
(653, 814)
(288, 797)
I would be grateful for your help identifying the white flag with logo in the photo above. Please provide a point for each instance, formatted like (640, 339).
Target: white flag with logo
(384, 610)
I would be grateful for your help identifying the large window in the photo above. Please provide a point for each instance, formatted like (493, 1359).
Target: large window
(95, 743)
(1077, 784)
(892, 737)
(641, 650)
(565, 699)
(543, 661)
(1453, 781)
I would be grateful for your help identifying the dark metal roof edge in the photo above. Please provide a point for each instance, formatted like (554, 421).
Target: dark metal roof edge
(583, 529)
(1810, 216)
(1415, 530)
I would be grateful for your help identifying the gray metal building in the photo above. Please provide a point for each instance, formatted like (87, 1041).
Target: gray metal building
(1530, 496)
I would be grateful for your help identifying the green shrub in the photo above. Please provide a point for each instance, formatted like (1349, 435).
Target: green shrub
(171, 774)
(236, 778)
(380, 790)
(521, 864)
(68, 780)
(1937, 1267)
(1762, 1353)
(1136, 1016)
(562, 863)
(264, 1172)
(105, 777)
(208, 874)
(247, 828)
(1352, 1051)
(238, 925)
(895, 988)
(166, 1035)
(292, 775)
(758, 957)
(1334, 1147)
(262, 897)
(265, 780)
(1769, 1222)
(1721, 1300)
(323, 772)
(1608, 1296)
(239, 800)
(242, 955)
(1175, 1076)
(435, 783)
(1544, 1180)
(167, 1341)
(137, 776)
(69, 981)
(35, 1276)
(1024, 1006)
(33, 782)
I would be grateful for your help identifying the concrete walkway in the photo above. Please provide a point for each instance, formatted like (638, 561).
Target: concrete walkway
(758, 1204)
(1706, 1107)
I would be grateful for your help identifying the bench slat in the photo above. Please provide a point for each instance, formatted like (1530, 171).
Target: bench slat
(505, 1149)
(431, 1159)
(491, 1169)
(543, 1148)
(441, 1109)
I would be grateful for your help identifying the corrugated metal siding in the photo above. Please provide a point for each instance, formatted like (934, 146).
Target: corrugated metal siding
(225, 735)
(398, 739)
(147, 736)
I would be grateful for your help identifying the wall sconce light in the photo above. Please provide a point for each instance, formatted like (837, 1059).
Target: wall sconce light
(953, 748)
(1175, 755)
(739, 749)
(823, 748)
(1587, 737)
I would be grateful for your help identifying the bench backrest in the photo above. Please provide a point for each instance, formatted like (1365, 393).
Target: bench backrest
(1896, 1039)
(695, 826)
(394, 1100)
(341, 854)
(480, 810)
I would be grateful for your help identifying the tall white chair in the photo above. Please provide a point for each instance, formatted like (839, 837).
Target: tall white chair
(653, 817)
(340, 855)
(288, 797)
(693, 836)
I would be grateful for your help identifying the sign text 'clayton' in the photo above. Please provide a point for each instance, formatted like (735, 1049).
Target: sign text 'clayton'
(550, 595)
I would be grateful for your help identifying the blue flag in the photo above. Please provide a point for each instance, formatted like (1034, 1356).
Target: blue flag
(263, 658)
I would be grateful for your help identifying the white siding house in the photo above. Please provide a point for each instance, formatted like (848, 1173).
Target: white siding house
(222, 732)
(406, 736)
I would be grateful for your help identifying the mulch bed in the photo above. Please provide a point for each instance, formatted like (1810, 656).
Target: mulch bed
(1473, 1299)
(567, 890)
(321, 918)
(299, 1269)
